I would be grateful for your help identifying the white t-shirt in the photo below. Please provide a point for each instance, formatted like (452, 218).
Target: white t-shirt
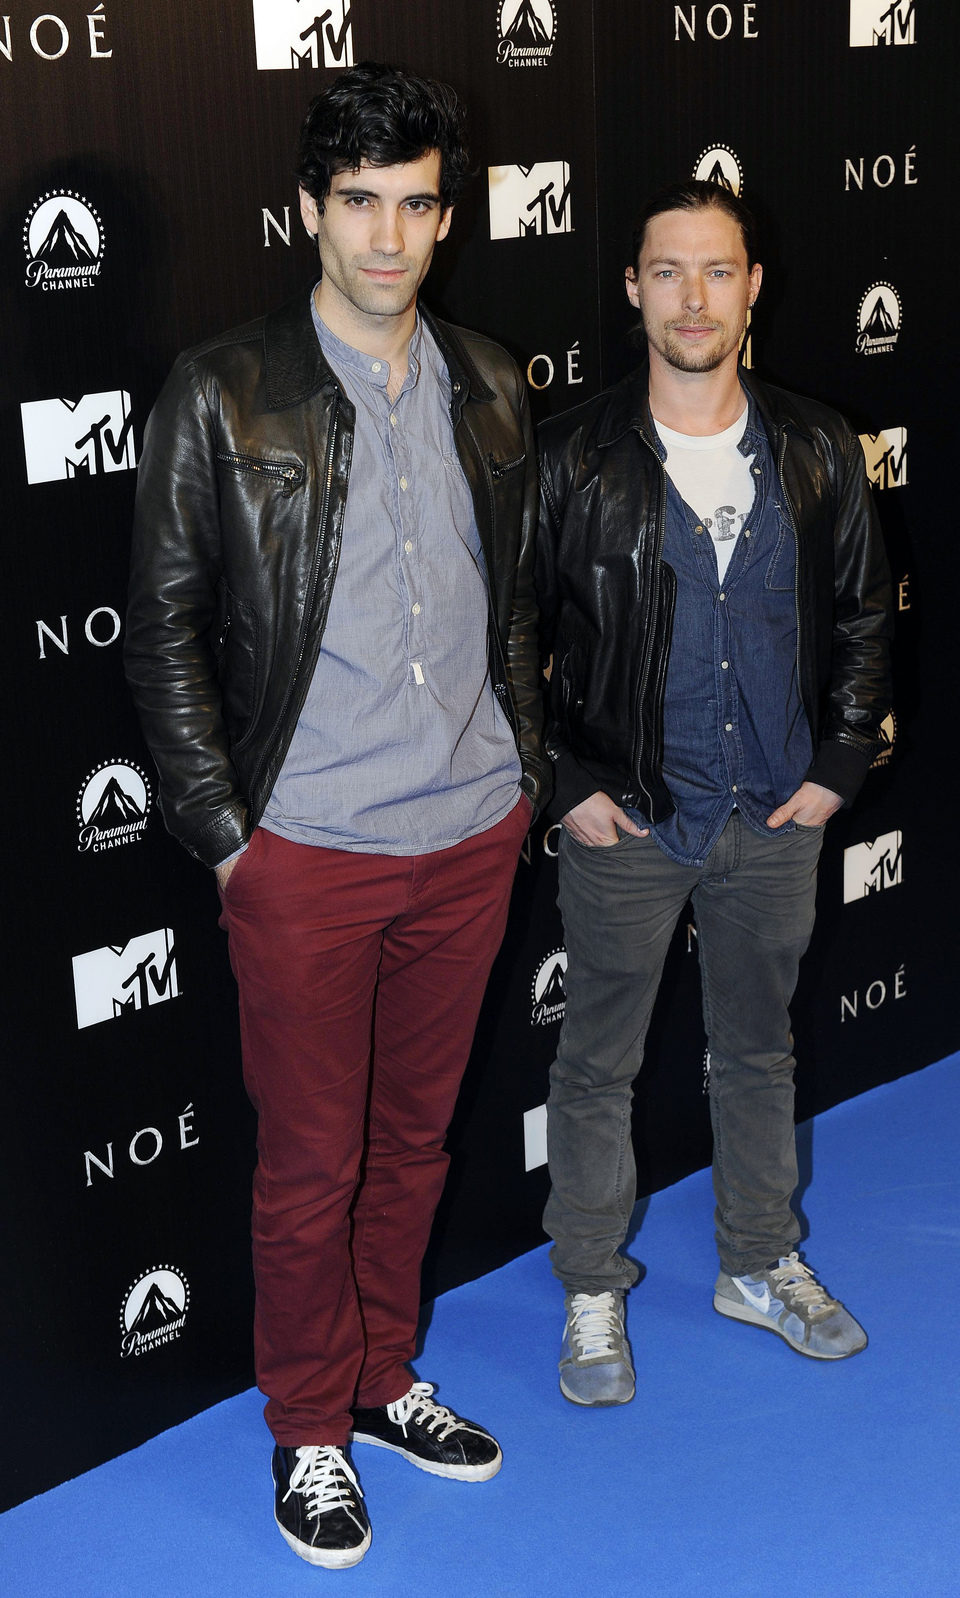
(715, 480)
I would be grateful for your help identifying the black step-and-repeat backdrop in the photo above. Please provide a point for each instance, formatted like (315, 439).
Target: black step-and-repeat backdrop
(148, 201)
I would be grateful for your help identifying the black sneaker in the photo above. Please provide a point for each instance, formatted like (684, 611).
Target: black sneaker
(430, 1436)
(319, 1506)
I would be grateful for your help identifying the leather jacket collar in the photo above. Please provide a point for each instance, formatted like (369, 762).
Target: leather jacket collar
(296, 368)
(628, 407)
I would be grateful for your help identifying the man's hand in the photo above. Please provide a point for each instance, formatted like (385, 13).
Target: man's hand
(225, 872)
(810, 806)
(595, 822)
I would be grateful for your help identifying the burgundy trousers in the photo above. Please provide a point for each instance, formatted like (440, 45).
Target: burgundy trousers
(360, 979)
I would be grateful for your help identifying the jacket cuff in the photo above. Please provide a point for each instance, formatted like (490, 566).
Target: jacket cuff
(841, 768)
(572, 784)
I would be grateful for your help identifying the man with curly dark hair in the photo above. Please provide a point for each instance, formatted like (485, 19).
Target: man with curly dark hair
(331, 642)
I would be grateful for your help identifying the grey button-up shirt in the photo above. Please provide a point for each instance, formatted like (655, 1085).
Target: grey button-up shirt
(401, 746)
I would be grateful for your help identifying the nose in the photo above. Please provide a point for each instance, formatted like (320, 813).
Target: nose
(387, 237)
(694, 297)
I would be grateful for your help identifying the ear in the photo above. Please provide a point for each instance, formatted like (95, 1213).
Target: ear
(310, 212)
(755, 279)
(445, 221)
(633, 287)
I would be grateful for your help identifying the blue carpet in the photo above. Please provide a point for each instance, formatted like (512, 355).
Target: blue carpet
(740, 1470)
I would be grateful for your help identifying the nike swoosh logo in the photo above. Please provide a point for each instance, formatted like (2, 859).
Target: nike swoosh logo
(759, 1298)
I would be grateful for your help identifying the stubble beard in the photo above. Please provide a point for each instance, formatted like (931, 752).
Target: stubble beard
(682, 359)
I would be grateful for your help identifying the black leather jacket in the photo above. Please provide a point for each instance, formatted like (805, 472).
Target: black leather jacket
(240, 500)
(607, 597)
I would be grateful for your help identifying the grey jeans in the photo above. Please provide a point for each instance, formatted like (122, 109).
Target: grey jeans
(753, 901)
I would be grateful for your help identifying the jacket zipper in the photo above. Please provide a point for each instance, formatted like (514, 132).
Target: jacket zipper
(288, 476)
(501, 468)
(781, 457)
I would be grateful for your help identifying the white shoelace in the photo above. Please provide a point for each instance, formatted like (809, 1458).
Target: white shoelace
(797, 1283)
(325, 1481)
(417, 1405)
(595, 1325)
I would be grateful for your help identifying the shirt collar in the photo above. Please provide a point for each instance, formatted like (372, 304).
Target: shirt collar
(376, 371)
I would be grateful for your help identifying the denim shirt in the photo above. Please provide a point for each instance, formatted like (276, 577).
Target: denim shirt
(735, 731)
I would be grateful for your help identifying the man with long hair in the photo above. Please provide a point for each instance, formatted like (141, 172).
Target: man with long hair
(716, 597)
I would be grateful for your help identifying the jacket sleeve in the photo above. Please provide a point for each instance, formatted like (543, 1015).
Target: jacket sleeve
(171, 640)
(859, 691)
(572, 782)
(521, 646)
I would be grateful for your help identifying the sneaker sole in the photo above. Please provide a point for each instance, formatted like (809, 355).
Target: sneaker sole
(329, 1558)
(451, 1472)
(752, 1317)
(596, 1403)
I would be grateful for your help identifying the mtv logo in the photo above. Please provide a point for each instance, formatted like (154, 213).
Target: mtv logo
(127, 976)
(886, 457)
(529, 199)
(870, 867)
(882, 22)
(78, 438)
(289, 34)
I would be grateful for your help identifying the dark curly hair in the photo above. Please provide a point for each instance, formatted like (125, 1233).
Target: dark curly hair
(383, 116)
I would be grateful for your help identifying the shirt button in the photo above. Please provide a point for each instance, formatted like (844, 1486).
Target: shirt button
(403, 484)
(408, 546)
(746, 532)
(721, 598)
(698, 529)
(377, 366)
(393, 421)
(729, 727)
(756, 471)
(416, 610)
(724, 665)
(734, 788)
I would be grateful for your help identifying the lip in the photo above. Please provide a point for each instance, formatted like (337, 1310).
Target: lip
(694, 332)
(384, 275)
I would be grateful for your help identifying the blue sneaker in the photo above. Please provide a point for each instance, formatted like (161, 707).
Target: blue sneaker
(595, 1365)
(788, 1299)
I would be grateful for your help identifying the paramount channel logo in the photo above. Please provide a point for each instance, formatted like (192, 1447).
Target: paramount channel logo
(63, 242)
(721, 165)
(112, 807)
(888, 737)
(548, 990)
(878, 320)
(525, 32)
(154, 1311)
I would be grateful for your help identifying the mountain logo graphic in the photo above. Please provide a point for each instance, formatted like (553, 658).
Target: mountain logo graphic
(154, 1310)
(548, 990)
(878, 320)
(525, 32)
(63, 242)
(888, 737)
(112, 807)
(721, 165)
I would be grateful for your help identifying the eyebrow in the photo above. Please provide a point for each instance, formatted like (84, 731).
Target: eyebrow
(350, 190)
(670, 260)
